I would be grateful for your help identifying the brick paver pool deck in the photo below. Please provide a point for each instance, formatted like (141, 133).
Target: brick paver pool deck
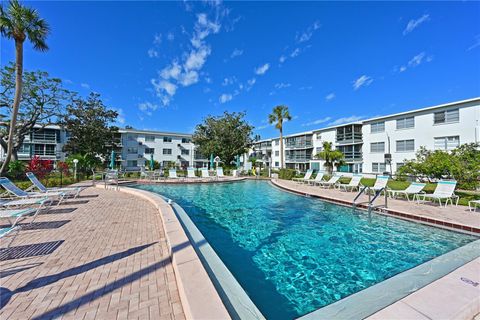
(113, 263)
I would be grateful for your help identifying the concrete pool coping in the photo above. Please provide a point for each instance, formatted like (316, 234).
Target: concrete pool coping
(359, 305)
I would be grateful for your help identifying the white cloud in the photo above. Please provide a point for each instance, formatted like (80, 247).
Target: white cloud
(416, 60)
(317, 122)
(282, 59)
(85, 86)
(364, 80)
(413, 24)
(208, 80)
(295, 52)
(170, 36)
(346, 120)
(236, 53)
(250, 83)
(157, 39)
(121, 116)
(229, 81)
(152, 53)
(307, 34)
(305, 88)
(225, 98)
(282, 85)
(402, 68)
(330, 96)
(476, 43)
(146, 106)
(186, 73)
(262, 69)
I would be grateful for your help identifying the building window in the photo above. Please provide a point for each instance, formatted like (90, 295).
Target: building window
(318, 149)
(132, 150)
(150, 138)
(406, 123)
(186, 140)
(131, 137)
(377, 147)
(277, 164)
(399, 165)
(277, 153)
(132, 163)
(185, 152)
(378, 167)
(447, 116)
(167, 139)
(319, 136)
(377, 127)
(277, 142)
(167, 151)
(405, 145)
(149, 150)
(447, 143)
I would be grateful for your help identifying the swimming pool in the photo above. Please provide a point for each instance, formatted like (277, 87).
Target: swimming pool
(292, 254)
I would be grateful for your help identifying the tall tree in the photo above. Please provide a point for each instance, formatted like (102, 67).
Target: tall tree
(42, 103)
(278, 116)
(89, 123)
(20, 23)
(332, 157)
(225, 136)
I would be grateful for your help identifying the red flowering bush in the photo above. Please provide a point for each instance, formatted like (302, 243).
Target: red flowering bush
(63, 168)
(40, 167)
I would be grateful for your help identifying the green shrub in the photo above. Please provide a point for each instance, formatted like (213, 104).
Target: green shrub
(286, 174)
(16, 169)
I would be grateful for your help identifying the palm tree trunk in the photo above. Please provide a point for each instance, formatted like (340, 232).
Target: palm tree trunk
(281, 148)
(16, 103)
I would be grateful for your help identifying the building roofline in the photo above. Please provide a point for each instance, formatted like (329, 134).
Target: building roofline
(165, 133)
(444, 105)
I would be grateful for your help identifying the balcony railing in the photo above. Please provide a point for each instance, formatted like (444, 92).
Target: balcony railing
(44, 137)
(297, 158)
(348, 137)
(299, 144)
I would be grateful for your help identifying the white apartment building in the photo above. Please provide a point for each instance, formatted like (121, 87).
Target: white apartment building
(138, 147)
(381, 144)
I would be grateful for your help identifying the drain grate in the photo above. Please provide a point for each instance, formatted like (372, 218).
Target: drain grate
(41, 225)
(30, 250)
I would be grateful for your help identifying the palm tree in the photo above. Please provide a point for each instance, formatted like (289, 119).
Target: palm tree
(331, 156)
(20, 23)
(278, 116)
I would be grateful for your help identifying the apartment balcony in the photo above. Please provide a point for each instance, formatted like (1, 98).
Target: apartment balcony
(354, 157)
(297, 158)
(299, 145)
(42, 155)
(348, 138)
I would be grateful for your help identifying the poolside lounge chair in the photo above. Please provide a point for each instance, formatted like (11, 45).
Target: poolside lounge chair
(69, 191)
(318, 178)
(444, 191)
(413, 189)
(331, 182)
(354, 183)
(473, 205)
(172, 174)
(205, 173)
(191, 173)
(220, 173)
(17, 192)
(380, 184)
(307, 176)
(16, 215)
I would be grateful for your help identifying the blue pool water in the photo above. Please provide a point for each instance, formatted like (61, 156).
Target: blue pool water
(292, 254)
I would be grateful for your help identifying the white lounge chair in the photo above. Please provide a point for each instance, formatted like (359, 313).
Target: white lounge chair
(69, 191)
(191, 173)
(354, 183)
(172, 174)
(19, 193)
(318, 178)
(380, 184)
(205, 173)
(445, 190)
(331, 182)
(220, 173)
(413, 189)
(473, 205)
(307, 176)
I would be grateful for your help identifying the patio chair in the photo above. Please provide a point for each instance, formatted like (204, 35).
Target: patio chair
(473, 205)
(307, 176)
(220, 173)
(6, 231)
(413, 189)
(331, 182)
(15, 215)
(205, 173)
(380, 185)
(445, 190)
(318, 178)
(69, 191)
(191, 173)
(172, 174)
(354, 183)
(111, 179)
(19, 193)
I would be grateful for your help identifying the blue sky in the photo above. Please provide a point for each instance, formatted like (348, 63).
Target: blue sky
(166, 65)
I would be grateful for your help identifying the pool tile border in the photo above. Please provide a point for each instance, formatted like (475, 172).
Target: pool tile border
(403, 215)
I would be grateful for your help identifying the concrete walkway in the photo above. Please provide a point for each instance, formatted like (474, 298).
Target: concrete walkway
(456, 217)
(110, 261)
